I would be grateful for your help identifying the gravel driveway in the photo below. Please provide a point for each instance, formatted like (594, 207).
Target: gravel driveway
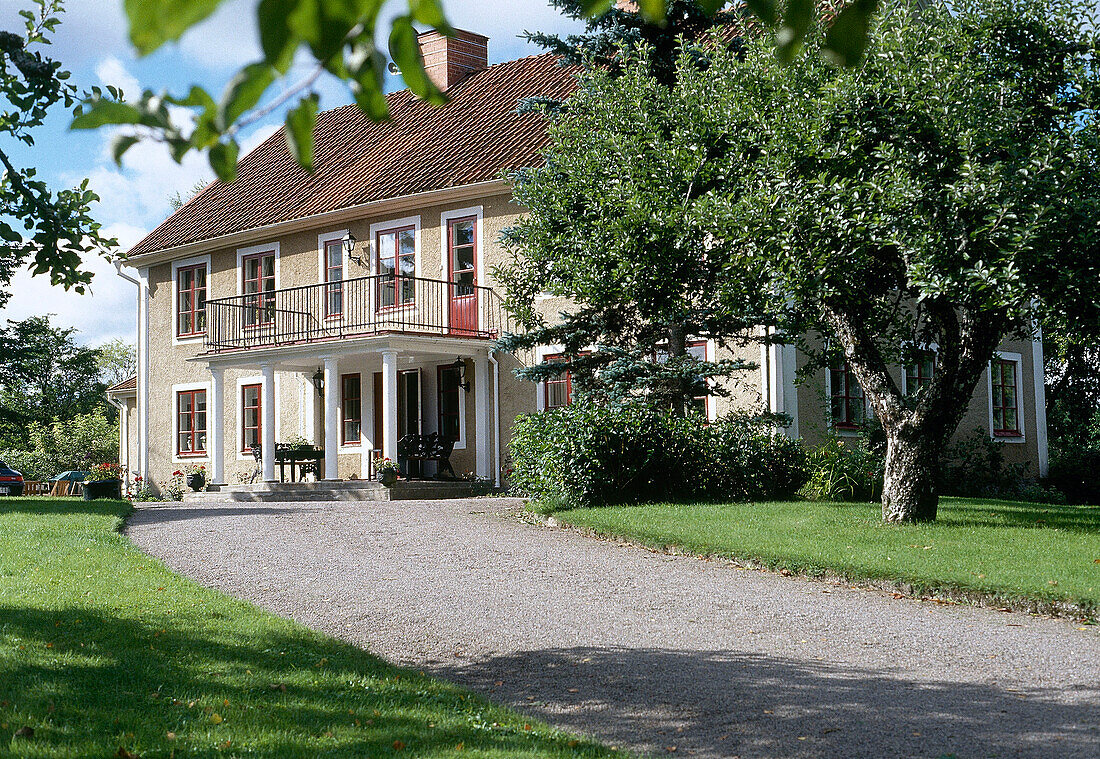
(643, 650)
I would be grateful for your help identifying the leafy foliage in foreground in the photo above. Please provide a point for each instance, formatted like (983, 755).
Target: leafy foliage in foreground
(1010, 549)
(591, 454)
(104, 652)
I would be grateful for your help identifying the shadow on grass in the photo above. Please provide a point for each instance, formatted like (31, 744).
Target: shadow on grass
(46, 505)
(716, 703)
(87, 683)
(977, 512)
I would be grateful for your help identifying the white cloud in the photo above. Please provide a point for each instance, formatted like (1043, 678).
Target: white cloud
(227, 40)
(112, 71)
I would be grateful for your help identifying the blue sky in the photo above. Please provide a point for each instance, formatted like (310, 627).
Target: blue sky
(91, 42)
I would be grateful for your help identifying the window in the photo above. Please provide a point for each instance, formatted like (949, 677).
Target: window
(251, 417)
(191, 300)
(1006, 412)
(919, 374)
(352, 404)
(848, 407)
(697, 349)
(396, 267)
(557, 390)
(259, 283)
(334, 276)
(191, 428)
(460, 240)
(450, 403)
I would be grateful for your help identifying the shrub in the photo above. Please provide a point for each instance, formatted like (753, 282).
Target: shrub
(1076, 472)
(845, 470)
(78, 443)
(589, 454)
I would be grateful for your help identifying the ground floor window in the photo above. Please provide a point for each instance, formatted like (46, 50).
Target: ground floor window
(920, 373)
(351, 403)
(848, 407)
(191, 429)
(1006, 411)
(251, 431)
(557, 391)
(450, 402)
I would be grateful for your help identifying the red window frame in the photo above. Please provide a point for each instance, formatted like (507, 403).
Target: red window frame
(850, 397)
(399, 281)
(462, 288)
(258, 407)
(442, 370)
(194, 433)
(565, 379)
(346, 406)
(191, 321)
(262, 296)
(915, 375)
(1005, 404)
(334, 293)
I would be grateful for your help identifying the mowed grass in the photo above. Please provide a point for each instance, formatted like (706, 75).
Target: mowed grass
(105, 652)
(1008, 549)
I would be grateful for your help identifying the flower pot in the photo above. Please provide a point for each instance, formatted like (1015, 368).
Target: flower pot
(196, 481)
(389, 479)
(95, 489)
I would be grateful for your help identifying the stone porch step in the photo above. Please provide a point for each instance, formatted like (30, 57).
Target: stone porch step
(344, 490)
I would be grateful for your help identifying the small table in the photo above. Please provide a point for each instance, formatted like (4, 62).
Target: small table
(301, 460)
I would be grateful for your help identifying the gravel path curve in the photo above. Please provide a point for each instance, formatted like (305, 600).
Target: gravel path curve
(647, 651)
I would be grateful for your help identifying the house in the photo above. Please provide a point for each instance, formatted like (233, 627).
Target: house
(356, 305)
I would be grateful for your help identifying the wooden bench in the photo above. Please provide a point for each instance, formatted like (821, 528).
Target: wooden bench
(36, 487)
(413, 450)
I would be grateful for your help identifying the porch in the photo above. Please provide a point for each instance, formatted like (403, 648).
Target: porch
(355, 399)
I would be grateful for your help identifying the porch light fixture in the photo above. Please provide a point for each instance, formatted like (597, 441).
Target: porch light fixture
(318, 380)
(348, 243)
(460, 366)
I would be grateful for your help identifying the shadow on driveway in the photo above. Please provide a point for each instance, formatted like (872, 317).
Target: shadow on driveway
(713, 703)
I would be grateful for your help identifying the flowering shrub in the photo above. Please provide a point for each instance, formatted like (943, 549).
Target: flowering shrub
(387, 465)
(195, 469)
(173, 491)
(139, 491)
(101, 472)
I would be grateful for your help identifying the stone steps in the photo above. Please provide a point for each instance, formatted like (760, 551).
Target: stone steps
(344, 490)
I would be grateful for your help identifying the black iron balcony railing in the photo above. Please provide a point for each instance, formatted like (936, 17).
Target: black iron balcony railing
(354, 308)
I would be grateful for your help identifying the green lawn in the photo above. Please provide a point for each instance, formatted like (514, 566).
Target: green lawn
(1012, 550)
(102, 648)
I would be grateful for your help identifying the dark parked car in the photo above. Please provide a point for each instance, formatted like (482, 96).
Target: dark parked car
(11, 482)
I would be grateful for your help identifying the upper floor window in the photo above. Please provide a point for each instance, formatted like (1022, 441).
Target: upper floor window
(191, 300)
(1006, 411)
(191, 426)
(920, 373)
(334, 276)
(461, 242)
(848, 407)
(258, 281)
(396, 265)
(351, 388)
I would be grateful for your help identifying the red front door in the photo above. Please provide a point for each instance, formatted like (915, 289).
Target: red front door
(462, 247)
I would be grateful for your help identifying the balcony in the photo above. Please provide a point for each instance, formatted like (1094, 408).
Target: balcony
(375, 305)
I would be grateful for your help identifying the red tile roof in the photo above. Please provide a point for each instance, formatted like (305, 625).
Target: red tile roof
(475, 137)
(130, 384)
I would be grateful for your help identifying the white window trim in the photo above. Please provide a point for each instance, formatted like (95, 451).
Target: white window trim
(252, 250)
(238, 435)
(322, 264)
(460, 444)
(176, 390)
(541, 353)
(372, 249)
(934, 349)
(176, 266)
(1017, 359)
(829, 407)
(478, 212)
(354, 447)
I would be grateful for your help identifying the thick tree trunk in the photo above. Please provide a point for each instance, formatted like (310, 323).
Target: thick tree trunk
(909, 487)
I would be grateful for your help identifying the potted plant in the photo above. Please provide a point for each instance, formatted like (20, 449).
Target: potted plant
(103, 481)
(196, 476)
(388, 470)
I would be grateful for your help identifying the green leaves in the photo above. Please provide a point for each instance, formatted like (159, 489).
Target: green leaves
(154, 22)
(223, 160)
(405, 51)
(244, 91)
(299, 131)
(847, 37)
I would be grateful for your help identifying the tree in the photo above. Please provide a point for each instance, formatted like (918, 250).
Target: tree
(57, 229)
(117, 361)
(618, 224)
(178, 199)
(78, 443)
(45, 376)
(338, 37)
(943, 194)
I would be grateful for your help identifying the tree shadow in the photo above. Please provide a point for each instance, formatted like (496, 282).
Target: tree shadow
(975, 512)
(47, 505)
(88, 683)
(722, 704)
(173, 512)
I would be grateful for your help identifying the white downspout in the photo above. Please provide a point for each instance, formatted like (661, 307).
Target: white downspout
(123, 438)
(496, 416)
(123, 412)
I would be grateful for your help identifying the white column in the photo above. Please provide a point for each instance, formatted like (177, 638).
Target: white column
(215, 435)
(332, 417)
(267, 444)
(482, 416)
(389, 404)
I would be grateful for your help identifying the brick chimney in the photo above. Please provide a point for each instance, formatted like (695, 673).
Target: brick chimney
(449, 60)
